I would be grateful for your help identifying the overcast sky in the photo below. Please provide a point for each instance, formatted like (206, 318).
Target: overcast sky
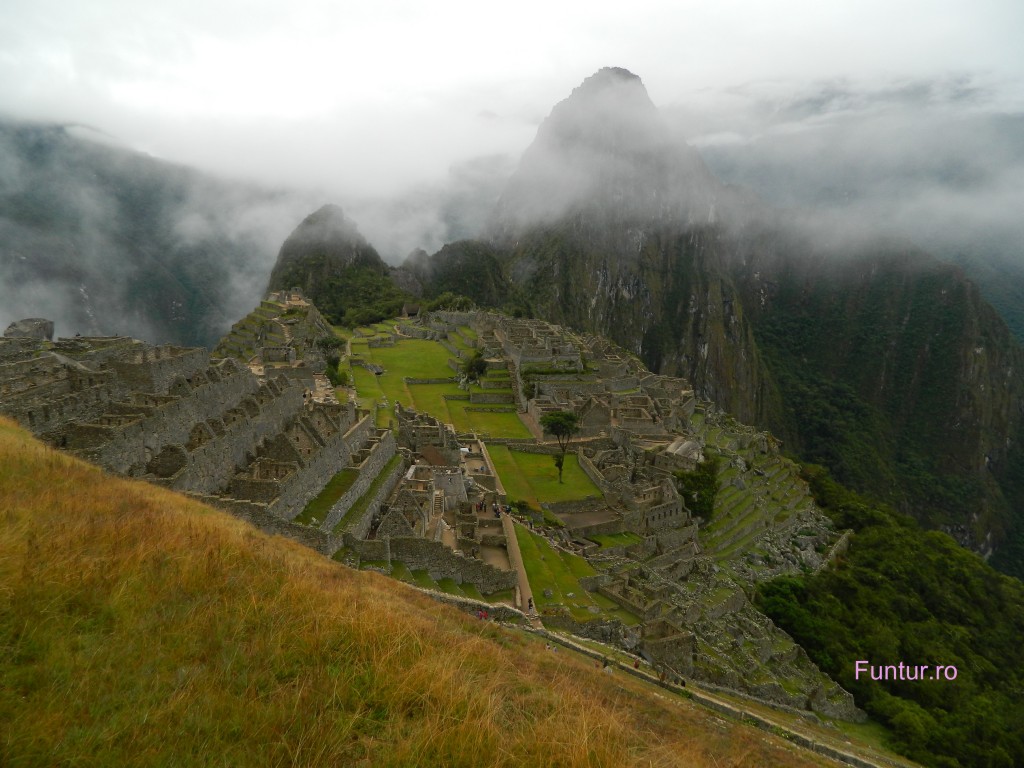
(370, 97)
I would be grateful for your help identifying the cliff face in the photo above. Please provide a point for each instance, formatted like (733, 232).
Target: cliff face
(609, 224)
(891, 369)
(659, 292)
(872, 358)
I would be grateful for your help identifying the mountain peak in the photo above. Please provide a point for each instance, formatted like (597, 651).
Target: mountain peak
(610, 77)
(605, 148)
(609, 107)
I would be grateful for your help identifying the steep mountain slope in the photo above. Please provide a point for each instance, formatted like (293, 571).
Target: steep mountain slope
(609, 225)
(141, 628)
(901, 162)
(867, 355)
(104, 240)
(337, 269)
(893, 371)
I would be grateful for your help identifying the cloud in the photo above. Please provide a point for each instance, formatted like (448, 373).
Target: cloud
(937, 161)
(105, 241)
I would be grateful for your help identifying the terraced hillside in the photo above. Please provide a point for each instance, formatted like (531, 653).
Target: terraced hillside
(132, 638)
(388, 366)
(601, 559)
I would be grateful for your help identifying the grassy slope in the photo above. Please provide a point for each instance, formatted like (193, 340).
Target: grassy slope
(140, 628)
(420, 359)
(560, 572)
(533, 477)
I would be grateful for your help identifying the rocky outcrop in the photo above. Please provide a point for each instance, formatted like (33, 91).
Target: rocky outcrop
(30, 328)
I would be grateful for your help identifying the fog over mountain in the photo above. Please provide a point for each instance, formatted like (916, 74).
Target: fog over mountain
(939, 162)
(107, 241)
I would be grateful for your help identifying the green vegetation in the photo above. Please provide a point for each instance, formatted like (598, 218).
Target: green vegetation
(530, 477)
(475, 367)
(450, 301)
(318, 508)
(467, 268)
(358, 296)
(413, 358)
(360, 505)
(423, 359)
(904, 595)
(560, 572)
(876, 409)
(563, 425)
(335, 374)
(700, 487)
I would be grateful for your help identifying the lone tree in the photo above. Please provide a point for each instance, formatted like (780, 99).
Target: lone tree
(563, 425)
(475, 367)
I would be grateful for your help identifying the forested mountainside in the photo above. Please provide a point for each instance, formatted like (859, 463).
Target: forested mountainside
(104, 240)
(337, 269)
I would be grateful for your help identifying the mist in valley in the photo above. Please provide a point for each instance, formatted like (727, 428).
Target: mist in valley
(214, 133)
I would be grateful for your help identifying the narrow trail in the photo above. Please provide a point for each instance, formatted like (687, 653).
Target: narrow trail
(757, 714)
(525, 594)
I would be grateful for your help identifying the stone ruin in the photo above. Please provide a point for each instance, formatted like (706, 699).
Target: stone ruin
(242, 430)
(441, 518)
(686, 580)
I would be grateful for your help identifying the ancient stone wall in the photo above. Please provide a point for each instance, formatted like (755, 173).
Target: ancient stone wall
(416, 331)
(612, 631)
(357, 436)
(301, 488)
(591, 471)
(361, 527)
(670, 514)
(441, 562)
(166, 421)
(376, 550)
(492, 398)
(453, 319)
(263, 518)
(616, 593)
(154, 369)
(668, 540)
(380, 454)
(448, 380)
(674, 647)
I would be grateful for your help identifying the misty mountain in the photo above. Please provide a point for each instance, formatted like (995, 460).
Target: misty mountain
(859, 349)
(933, 161)
(605, 151)
(106, 241)
(334, 265)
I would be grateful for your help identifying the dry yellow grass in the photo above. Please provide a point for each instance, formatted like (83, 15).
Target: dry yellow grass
(140, 628)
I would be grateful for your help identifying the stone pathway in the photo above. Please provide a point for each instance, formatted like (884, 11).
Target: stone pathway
(516, 558)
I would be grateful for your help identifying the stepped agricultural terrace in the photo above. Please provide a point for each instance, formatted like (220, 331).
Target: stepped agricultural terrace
(447, 483)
